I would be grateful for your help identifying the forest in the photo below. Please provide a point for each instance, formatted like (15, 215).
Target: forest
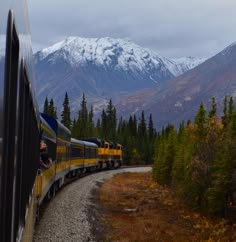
(197, 159)
(137, 135)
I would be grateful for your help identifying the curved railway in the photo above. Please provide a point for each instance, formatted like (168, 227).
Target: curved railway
(69, 216)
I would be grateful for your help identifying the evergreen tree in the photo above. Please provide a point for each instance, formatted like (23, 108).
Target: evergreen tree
(65, 115)
(82, 122)
(90, 122)
(151, 131)
(111, 121)
(73, 129)
(52, 109)
(200, 120)
(142, 129)
(213, 110)
(104, 125)
(230, 108)
(224, 118)
(133, 125)
(46, 106)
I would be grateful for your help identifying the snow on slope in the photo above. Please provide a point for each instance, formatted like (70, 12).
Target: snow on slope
(117, 54)
(181, 65)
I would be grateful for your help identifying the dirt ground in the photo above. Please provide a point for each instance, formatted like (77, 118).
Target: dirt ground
(131, 207)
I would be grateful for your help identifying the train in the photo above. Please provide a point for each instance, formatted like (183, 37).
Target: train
(24, 183)
(71, 157)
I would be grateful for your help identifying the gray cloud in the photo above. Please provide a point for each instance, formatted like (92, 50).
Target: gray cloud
(171, 28)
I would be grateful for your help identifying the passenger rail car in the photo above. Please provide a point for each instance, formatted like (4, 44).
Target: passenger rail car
(19, 122)
(83, 156)
(70, 157)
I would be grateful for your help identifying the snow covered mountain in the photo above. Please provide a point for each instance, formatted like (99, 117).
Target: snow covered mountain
(183, 64)
(102, 68)
(114, 53)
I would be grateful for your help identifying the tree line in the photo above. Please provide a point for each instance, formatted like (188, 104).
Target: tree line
(198, 160)
(136, 135)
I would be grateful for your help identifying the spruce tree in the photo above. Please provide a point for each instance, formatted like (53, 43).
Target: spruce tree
(65, 115)
(230, 108)
(111, 121)
(151, 131)
(52, 109)
(142, 128)
(90, 122)
(104, 125)
(200, 121)
(224, 117)
(213, 110)
(46, 106)
(82, 122)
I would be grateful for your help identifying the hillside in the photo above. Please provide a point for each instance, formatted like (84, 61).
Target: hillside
(178, 99)
(101, 68)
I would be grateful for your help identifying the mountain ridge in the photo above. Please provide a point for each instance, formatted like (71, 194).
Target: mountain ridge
(101, 68)
(178, 99)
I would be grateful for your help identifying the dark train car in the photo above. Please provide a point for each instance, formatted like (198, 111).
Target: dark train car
(77, 157)
(46, 176)
(84, 156)
(62, 156)
(19, 124)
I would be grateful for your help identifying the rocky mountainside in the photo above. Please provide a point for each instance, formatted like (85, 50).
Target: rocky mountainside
(178, 99)
(102, 68)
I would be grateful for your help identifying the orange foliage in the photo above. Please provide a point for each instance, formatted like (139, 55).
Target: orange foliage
(134, 208)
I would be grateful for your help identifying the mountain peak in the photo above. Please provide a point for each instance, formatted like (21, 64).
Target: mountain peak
(116, 54)
(101, 68)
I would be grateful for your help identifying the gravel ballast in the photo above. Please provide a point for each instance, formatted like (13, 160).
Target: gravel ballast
(67, 216)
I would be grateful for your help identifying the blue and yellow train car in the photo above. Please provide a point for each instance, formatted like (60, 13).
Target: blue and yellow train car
(46, 177)
(84, 156)
(57, 138)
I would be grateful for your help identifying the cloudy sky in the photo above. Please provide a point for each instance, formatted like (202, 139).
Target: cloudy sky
(172, 28)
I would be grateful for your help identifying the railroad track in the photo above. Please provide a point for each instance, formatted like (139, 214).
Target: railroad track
(67, 216)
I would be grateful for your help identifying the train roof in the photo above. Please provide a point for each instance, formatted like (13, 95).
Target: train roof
(46, 127)
(82, 142)
(54, 123)
(98, 141)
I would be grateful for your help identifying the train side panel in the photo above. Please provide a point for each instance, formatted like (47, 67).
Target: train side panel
(19, 122)
(77, 155)
(63, 153)
(45, 177)
(91, 155)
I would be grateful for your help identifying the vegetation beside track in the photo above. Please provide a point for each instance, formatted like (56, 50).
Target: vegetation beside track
(134, 208)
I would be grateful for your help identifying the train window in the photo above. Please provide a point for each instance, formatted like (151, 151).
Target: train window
(76, 152)
(9, 130)
(51, 148)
